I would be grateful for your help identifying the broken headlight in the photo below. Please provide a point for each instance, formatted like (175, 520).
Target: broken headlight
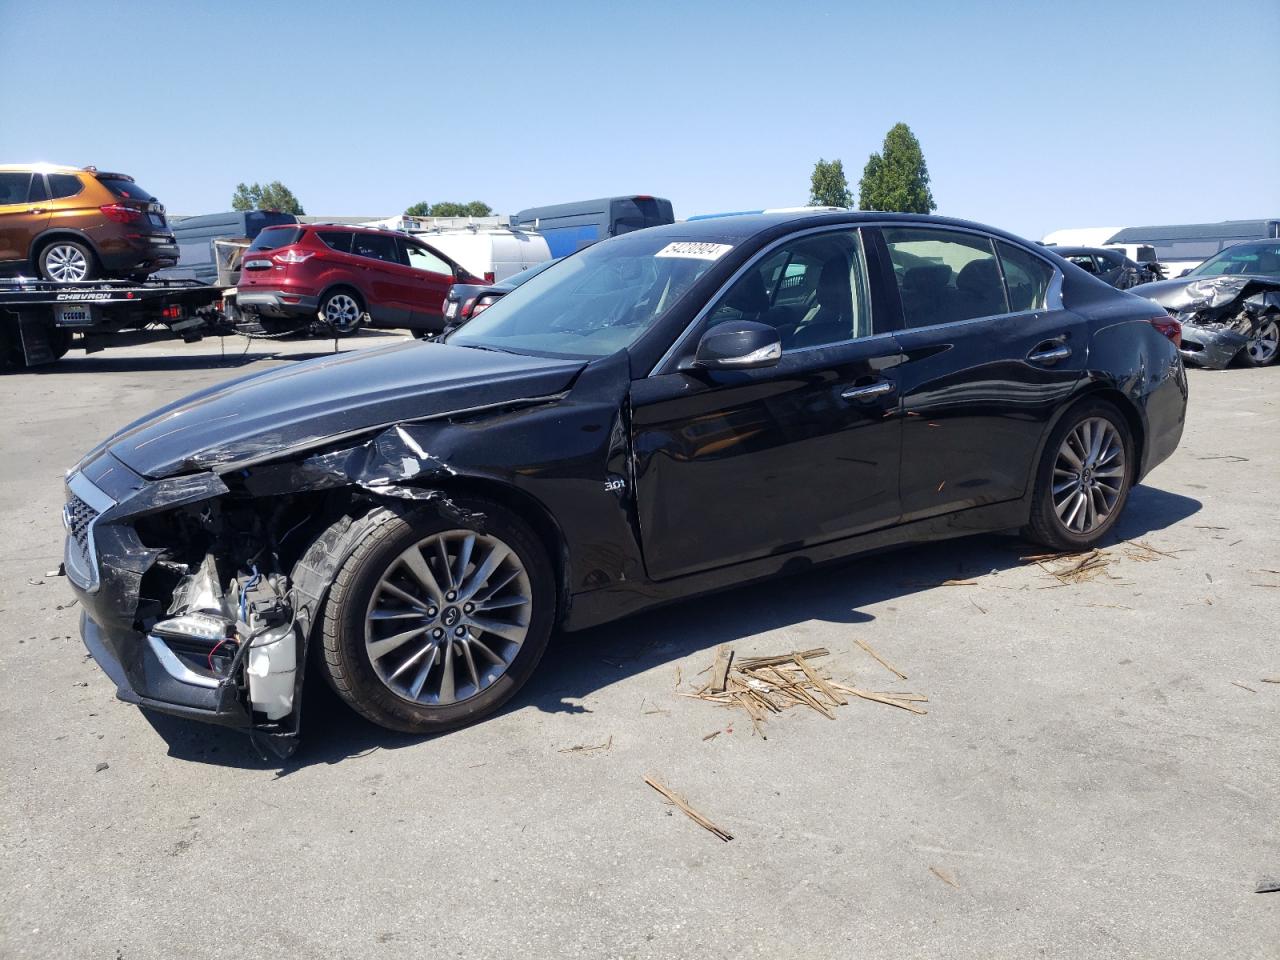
(196, 626)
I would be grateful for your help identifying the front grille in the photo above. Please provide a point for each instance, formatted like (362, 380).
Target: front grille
(79, 515)
(85, 503)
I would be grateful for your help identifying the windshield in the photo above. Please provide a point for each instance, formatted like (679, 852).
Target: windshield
(596, 302)
(1250, 259)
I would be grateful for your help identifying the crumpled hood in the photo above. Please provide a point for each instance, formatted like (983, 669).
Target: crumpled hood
(1204, 292)
(301, 405)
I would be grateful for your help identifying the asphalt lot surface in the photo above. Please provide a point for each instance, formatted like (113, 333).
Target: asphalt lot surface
(1098, 774)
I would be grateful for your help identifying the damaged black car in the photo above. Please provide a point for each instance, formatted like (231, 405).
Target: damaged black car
(1229, 306)
(666, 413)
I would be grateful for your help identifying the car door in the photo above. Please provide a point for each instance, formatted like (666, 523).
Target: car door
(736, 465)
(990, 354)
(432, 277)
(24, 212)
(388, 280)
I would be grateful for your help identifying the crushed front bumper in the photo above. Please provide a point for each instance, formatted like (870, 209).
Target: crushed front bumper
(1211, 347)
(145, 676)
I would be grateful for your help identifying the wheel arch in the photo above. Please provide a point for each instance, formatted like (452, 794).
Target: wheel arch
(53, 234)
(1098, 390)
(337, 285)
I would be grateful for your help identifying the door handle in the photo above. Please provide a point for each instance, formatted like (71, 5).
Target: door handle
(877, 389)
(1051, 351)
(38, 210)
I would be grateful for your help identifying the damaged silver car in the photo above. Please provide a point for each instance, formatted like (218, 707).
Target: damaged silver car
(1229, 306)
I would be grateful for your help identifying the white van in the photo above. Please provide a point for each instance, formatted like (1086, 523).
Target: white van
(494, 253)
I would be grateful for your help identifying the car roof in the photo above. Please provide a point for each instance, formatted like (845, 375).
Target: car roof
(40, 168)
(737, 228)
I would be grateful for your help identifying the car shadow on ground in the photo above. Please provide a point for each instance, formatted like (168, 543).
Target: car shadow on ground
(580, 664)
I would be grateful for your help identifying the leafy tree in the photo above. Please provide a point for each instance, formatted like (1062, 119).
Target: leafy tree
(828, 186)
(897, 179)
(419, 209)
(273, 196)
(449, 208)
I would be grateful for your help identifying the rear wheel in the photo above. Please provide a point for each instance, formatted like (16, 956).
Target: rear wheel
(1084, 478)
(1264, 347)
(67, 261)
(342, 311)
(433, 623)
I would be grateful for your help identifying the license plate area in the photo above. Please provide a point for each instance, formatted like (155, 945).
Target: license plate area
(73, 315)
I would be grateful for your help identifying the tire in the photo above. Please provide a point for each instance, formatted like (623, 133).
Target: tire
(1069, 497)
(386, 682)
(342, 311)
(1264, 347)
(67, 260)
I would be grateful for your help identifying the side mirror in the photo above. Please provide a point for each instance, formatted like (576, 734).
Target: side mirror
(738, 345)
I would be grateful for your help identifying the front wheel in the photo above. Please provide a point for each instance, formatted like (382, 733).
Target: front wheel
(342, 312)
(1263, 348)
(1084, 478)
(433, 623)
(67, 261)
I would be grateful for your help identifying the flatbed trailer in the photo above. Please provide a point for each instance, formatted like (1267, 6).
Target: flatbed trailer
(40, 320)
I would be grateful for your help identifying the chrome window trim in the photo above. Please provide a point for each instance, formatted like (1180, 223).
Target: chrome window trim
(81, 487)
(675, 349)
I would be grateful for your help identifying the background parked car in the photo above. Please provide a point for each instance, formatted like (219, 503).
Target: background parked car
(465, 300)
(492, 253)
(1111, 266)
(1229, 306)
(196, 235)
(292, 275)
(72, 223)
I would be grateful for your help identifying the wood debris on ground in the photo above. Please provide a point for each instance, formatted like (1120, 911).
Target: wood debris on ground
(590, 748)
(683, 805)
(942, 875)
(761, 686)
(1069, 568)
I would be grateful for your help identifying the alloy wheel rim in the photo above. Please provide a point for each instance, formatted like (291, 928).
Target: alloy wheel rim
(66, 263)
(1088, 475)
(342, 312)
(1262, 348)
(448, 617)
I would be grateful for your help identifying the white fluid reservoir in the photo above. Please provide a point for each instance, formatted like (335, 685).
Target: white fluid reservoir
(273, 662)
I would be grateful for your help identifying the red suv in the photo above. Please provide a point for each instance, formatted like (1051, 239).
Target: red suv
(343, 275)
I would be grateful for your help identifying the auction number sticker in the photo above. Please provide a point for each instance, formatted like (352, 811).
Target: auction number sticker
(695, 251)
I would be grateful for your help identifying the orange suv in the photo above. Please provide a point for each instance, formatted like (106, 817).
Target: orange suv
(77, 223)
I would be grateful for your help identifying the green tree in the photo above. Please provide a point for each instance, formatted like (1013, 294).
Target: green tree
(450, 208)
(828, 186)
(897, 179)
(273, 196)
(419, 209)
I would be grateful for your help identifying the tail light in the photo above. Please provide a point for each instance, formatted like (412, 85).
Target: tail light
(465, 310)
(120, 213)
(173, 312)
(1170, 327)
(292, 256)
(488, 276)
(482, 304)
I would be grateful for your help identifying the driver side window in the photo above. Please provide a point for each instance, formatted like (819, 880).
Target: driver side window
(813, 290)
(420, 258)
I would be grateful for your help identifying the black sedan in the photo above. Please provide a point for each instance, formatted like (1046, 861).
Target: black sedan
(1110, 266)
(465, 300)
(1229, 306)
(665, 413)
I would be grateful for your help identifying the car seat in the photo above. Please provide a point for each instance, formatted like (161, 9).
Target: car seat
(831, 319)
(926, 295)
(980, 291)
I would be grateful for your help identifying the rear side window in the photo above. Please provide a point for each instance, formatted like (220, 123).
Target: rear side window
(1027, 277)
(274, 237)
(126, 189)
(13, 187)
(945, 277)
(38, 189)
(335, 240)
(64, 185)
(375, 247)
